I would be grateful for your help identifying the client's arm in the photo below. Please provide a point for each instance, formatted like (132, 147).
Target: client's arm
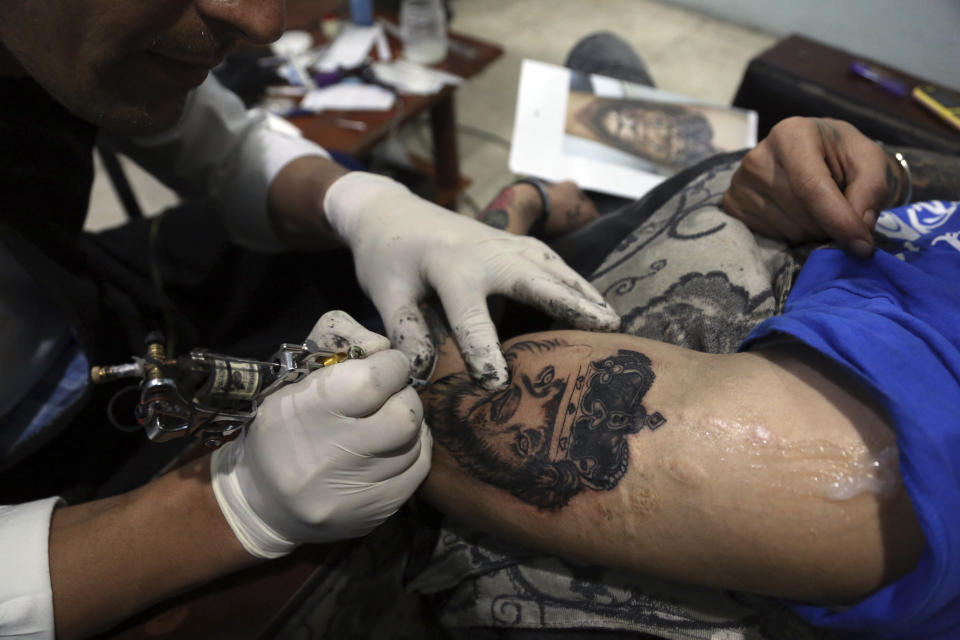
(766, 471)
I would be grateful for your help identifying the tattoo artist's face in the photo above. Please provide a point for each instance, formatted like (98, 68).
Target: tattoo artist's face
(127, 65)
(517, 423)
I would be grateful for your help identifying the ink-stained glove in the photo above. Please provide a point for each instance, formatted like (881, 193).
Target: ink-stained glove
(329, 457)
(404, 246)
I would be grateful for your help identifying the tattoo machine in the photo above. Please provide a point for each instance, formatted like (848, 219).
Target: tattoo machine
(204, 394)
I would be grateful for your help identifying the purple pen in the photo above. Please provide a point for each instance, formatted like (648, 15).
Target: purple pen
(880, 79)
(326, 78)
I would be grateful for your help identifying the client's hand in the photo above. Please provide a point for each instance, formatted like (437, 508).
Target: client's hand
(330, 457)
(815, 178)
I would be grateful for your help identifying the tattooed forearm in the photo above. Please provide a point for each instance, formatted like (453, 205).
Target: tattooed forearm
(496, 213)
(896, 188)
(936, 176)
(498, 218)
(557, 430)
(514, 209)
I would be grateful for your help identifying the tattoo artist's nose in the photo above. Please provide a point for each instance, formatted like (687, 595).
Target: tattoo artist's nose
(259, 21)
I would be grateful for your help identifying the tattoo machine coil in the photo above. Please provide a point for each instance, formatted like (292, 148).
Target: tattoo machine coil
(207, 395)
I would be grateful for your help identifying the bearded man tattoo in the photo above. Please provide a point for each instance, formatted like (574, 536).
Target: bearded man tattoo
(546, 438)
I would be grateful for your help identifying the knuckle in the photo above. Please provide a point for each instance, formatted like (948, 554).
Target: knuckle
(335, 320)
(337, 330)
(876, 191)
(404, 413)
(746, 163)
(728, 204)
(790, 129)
(807, 185)
(528, 241)
(372, 377)
(736, 180)
(751, 163)
(310, 511)
(389, 367)
(335, 315)
(844, 126)
(793, 123)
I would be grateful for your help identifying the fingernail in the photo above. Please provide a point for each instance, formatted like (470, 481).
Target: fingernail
(609, 322)
(493, 383)
(488, 375)
(860, 248)
(870, 218)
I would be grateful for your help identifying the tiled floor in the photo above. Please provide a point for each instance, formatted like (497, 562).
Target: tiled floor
(686, 53)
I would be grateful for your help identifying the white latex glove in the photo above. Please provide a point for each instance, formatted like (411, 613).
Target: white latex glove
(403, 246)
(329, 457)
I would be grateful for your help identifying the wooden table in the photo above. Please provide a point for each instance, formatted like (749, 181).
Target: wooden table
(802, 77)
(466, 57)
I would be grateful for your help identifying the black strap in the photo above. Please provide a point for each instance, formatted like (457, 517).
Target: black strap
(536, 230)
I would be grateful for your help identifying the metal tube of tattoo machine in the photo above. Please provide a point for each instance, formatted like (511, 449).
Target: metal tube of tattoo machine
(109, 373)
(210, 395)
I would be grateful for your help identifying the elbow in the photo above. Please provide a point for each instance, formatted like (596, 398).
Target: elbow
(871, 544)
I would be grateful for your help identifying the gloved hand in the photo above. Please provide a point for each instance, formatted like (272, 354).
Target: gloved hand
(403, 246)
(329, 457)
(814, 179)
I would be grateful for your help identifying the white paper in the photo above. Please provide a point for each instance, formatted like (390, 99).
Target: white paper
(349, 96)
(350, 48)
(383, 47)
(543, 147)
(292, 43)
(412, 78)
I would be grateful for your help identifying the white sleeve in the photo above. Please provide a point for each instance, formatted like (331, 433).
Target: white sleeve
(220, 149)
(26, 597)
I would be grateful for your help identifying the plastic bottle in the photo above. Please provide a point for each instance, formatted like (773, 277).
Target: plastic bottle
(423, 27)
(361, 12)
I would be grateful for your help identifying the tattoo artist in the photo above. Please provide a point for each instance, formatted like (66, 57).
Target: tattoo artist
(328, 458)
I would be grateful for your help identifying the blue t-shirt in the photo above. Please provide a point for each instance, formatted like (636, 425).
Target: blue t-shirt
(893, 321)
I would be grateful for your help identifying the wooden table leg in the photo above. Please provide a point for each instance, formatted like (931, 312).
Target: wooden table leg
(443, 125)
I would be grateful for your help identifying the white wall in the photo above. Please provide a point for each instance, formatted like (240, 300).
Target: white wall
(921, 37)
